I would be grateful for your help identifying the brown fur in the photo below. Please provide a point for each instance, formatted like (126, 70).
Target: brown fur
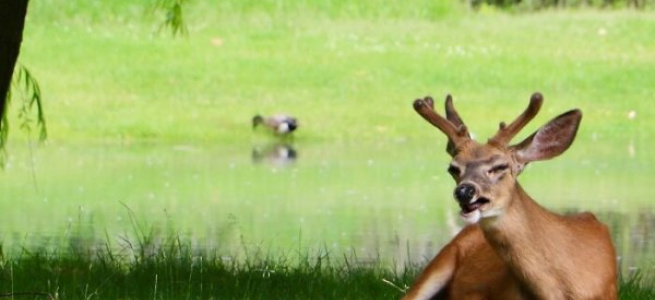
(469, 269)
(553, 256)
(517, 249)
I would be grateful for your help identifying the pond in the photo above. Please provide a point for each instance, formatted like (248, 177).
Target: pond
(386, 201)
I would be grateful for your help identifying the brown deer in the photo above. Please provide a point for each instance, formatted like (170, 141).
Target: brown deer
(514, 248)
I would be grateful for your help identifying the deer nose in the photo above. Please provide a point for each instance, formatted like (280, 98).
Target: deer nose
(464, 192)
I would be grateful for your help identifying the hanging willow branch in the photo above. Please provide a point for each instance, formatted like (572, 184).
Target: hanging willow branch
(174, 17)
(24, 88)
(4, 132)
(30, 93)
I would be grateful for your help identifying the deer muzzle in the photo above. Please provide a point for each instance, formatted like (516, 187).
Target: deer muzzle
(465, 192)
(468, 198)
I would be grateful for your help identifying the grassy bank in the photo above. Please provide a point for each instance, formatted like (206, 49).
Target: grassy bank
(172, 269)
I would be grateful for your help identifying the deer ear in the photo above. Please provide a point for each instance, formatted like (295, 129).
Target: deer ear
(550, 140)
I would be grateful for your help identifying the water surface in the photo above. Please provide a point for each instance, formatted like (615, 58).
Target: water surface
(387, 201)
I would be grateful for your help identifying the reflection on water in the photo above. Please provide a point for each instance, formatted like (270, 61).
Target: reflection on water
(634, 236)
(278, 154)
(383, 201)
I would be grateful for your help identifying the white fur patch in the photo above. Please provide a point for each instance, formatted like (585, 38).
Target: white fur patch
(472, 217)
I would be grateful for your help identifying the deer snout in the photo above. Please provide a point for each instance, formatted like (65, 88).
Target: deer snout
(465, 192)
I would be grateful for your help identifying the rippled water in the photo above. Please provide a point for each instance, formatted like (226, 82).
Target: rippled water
(387, 201)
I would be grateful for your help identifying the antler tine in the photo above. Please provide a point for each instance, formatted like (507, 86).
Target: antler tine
(429, 101)
(424, 107)
(507, 132)
(453, 117)
(451, 113)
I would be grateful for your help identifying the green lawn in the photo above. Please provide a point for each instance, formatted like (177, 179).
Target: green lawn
(348, 72)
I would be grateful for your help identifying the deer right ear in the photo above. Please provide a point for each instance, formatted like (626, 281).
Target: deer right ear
(550, 140)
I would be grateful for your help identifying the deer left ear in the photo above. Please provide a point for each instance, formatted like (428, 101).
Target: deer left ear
(550, 140)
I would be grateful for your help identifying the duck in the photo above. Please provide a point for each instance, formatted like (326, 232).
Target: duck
(280, 124)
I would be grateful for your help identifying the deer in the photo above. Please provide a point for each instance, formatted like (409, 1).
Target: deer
(512, 247)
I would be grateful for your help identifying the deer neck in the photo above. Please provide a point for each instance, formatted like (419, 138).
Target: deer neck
(524, 223)
(522, 237)
(521, 215)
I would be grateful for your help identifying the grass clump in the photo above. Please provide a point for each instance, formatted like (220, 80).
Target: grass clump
(172, 269)
(637, 286)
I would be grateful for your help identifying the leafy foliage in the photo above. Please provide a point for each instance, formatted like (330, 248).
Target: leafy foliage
(26, 89)
(30, 94)
(174, 16)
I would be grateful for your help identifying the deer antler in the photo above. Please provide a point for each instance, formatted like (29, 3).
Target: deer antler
(507, 132)
(453, 128)
(451, 113)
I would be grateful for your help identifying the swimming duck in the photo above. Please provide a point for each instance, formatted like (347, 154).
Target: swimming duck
(280, 124)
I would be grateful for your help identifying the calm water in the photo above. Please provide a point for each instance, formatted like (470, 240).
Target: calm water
(388, 201)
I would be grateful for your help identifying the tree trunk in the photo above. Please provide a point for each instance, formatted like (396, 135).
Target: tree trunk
(12, 14)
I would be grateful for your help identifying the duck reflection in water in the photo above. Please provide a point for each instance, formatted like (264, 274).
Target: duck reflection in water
(276, 154)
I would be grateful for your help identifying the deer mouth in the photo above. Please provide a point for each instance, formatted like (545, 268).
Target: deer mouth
(467, 208)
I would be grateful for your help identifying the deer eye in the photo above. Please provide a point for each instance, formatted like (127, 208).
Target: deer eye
(497, 169)
(454, 170)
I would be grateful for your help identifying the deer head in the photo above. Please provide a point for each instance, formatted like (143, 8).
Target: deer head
(486, 173)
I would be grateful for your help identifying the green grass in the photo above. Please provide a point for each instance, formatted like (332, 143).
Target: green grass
(168, 268)
(154, 266)
(636, 287)
(348, 71)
